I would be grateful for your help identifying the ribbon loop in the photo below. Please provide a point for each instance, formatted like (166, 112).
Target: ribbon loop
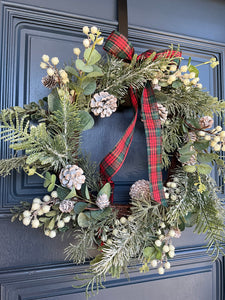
(119, 46)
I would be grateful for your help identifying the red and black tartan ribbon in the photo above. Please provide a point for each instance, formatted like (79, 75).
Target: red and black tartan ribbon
(118, 45)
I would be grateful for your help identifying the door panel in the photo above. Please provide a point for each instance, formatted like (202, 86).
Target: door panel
(32, 266)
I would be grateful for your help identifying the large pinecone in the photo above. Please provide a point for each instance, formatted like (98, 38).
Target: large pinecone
(102, 201)
(66, 206)
(49, 81)
(103, 104)
(163, 112)
(140, 189)
(72, 176)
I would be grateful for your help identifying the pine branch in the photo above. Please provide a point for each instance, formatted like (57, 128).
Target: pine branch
(7, 165)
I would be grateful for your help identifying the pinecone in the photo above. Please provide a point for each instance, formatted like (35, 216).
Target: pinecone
(102, 201)
(192, 161)
(72, 176)
(140, 189)
(191, 136)
(103, 104)
(206, 122)
(163, 112)
(66, 206)
(49, 82)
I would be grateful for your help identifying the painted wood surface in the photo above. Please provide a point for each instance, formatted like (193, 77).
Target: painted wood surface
(32, 266)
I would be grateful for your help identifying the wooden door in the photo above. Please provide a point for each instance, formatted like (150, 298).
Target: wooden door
(32, 266)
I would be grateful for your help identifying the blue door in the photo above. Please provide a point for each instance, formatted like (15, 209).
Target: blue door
(32, 266)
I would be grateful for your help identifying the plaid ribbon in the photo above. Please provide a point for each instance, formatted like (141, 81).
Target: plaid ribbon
(118, 45)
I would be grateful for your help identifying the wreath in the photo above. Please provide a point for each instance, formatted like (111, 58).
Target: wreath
(178, 118)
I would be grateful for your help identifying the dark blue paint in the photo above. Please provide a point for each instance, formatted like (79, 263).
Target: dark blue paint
(32, 265)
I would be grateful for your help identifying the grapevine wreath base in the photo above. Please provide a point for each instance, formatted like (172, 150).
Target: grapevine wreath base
(177, 117)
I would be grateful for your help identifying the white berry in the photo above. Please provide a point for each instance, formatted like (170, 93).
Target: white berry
(26, 221)
(162, 225)
(115, 231)
(85, 29)
(171, 254)
(123, 220)
(167, 265)
(46, 198)
(46, 208)
(172, 233)
(86, 43)
(166, 248)
(54, 194)
(158, 243)
(26, 213)
(36, 200)
(47, 231)
(45, 58)
(60, 224)
(67, 219)
(94, 30)
(52, 234)
(154, 263)
(109, 242)
(40, 212)
(76, 51)
(35, 223)
(161, 270)
(35, 206)
(172, 248)
(173, 185)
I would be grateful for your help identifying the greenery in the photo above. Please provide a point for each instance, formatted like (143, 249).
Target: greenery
(45, 138)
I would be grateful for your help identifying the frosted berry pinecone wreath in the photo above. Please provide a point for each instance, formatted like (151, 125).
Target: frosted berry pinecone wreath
(178, 116)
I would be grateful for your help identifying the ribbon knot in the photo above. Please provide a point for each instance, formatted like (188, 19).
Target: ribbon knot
(119, 46)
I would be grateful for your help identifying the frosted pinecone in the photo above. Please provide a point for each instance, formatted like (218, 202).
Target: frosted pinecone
(140, 189)
(102, 201)
(192, 161)
(72, 176)
(103, 104)
(49, 82)
(206, 122)
(191, 136)
(163, 112)
(66, 206)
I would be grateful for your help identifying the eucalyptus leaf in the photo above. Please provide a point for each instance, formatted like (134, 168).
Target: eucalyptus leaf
(186, 157)
(101, 214)
(86, 120)
(80, 207)
(148, 252)
(201, 145)
(71, 194)
(90, 88)
(92, 56)
(190, 219)
(192, 68)
(62, 192)
(189, 169)
(80, 65)
(207, 157)
(51, 213)
(54, 101)
(185, 149)
(204, 169)
(51, 187)
(71, 71)
(51, 224)
(83, 220)
(106, 189)
(176, 84)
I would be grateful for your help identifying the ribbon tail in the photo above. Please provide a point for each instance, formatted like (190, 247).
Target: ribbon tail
(152, 125)
(113, 161)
